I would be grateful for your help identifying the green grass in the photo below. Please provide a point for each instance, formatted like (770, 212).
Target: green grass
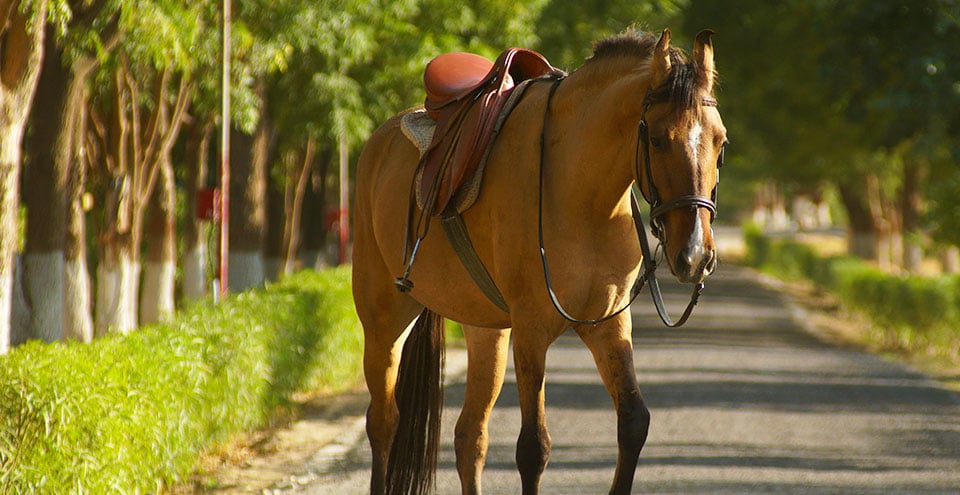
(130, 414)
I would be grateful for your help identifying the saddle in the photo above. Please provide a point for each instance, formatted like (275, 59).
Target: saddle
(465, 96)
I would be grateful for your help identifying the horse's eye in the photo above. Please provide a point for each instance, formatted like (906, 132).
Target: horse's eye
(657, 143)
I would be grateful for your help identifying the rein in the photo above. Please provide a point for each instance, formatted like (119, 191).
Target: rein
(657, 211)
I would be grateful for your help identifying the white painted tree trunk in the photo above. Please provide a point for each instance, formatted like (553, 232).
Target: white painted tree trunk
(273, 269)
(195, 272)
(117, 296)
(76, 309)
(43, 284)
(22, 49)
(156, 302)
(246, 271)
(20, 317)
(10, 136)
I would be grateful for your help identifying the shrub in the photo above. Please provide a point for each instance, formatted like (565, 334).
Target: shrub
(912, 313)
(128, 414)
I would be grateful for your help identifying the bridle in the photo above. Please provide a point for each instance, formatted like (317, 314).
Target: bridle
(658, 209)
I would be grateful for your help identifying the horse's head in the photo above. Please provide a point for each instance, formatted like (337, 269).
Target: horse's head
(680, 150)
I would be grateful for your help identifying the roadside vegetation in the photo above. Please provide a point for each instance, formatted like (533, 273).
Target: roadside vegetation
(131, 413)
(912, 314)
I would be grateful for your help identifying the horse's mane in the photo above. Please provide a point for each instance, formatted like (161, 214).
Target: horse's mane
(683, 86)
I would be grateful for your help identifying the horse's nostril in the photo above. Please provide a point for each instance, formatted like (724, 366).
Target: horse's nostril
(684, 261)
(710, 263)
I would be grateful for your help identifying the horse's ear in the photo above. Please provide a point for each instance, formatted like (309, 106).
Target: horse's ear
(661, 59)
(703, 57)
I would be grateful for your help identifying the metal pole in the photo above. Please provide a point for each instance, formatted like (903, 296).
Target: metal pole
(225, 154)
(344, 216)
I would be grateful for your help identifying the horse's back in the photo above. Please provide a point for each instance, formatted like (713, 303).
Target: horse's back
(386, 147)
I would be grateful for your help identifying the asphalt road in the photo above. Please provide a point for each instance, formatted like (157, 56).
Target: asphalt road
(744, 400)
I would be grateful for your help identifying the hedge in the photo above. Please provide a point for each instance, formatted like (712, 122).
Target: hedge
(131, 414)
(912, 313)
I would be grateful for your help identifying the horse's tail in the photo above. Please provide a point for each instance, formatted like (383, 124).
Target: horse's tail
(413, 456)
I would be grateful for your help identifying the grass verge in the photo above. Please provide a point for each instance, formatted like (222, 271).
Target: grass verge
(916, 315)
(131, 414)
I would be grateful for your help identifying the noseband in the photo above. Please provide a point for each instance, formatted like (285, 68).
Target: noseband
(658, 208)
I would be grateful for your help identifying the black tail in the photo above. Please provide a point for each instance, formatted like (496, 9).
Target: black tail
(413, 456)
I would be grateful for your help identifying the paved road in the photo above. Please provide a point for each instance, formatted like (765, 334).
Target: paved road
(744, 400)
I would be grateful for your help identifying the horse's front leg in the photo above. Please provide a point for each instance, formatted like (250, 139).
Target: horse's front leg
(486, 365)
(533, 445)
(612, 350)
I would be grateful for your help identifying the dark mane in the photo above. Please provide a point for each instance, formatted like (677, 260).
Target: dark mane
(684, 85)
(629, 43)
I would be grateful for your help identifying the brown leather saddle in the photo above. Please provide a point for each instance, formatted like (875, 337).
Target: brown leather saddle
(465, 96)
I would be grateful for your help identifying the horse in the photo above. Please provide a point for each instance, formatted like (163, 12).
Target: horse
(558, 180)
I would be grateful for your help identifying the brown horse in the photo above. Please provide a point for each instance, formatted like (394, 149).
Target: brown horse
(592, 153)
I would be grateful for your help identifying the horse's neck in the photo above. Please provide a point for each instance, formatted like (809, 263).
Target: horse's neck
(592, 137)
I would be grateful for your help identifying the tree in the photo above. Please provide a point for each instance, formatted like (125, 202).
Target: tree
(55, 280)
(144, 95)
(22, 30)
(852, 93)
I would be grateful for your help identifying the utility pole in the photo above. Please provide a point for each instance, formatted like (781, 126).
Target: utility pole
(225, 155)
(344, 213)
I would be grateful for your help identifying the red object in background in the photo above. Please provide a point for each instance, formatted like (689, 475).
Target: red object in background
(331, 220)
(208, 205)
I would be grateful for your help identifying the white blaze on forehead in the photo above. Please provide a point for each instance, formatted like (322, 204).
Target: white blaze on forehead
(693, 140)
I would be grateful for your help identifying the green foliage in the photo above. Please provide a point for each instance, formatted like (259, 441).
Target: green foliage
(568, 29)
(911, 313)
(826, 92)
(129, 414)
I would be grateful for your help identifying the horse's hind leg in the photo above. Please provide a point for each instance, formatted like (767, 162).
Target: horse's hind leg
(486, 365)
(612, 350)
(385, 314)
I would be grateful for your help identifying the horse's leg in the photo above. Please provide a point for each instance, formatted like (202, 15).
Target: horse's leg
(612, 350)
(381, 361)
(385, 314)
(486, 365)
(533, 444)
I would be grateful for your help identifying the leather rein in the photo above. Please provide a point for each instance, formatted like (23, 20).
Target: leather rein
(657, 211)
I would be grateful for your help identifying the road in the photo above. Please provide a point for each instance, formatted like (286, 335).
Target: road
(744, 400)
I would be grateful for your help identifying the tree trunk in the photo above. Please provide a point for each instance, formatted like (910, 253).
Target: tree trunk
(118, 277)
(21, 43)
(157, 297)
(118, 269)
(950, 259)
(248, 180)
(861, 237)
(886, 225)
(911, 204)
(194, 238)
(297, 185)
(273, 247)
(45, 194)
(78, 320)
(313, 252)
(136, 148)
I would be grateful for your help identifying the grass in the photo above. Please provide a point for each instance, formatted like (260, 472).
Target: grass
(131, 414)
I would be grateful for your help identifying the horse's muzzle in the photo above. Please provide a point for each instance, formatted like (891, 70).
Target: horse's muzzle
(694, 264)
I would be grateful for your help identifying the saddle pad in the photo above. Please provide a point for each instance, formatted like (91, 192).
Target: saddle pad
(418, 127)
